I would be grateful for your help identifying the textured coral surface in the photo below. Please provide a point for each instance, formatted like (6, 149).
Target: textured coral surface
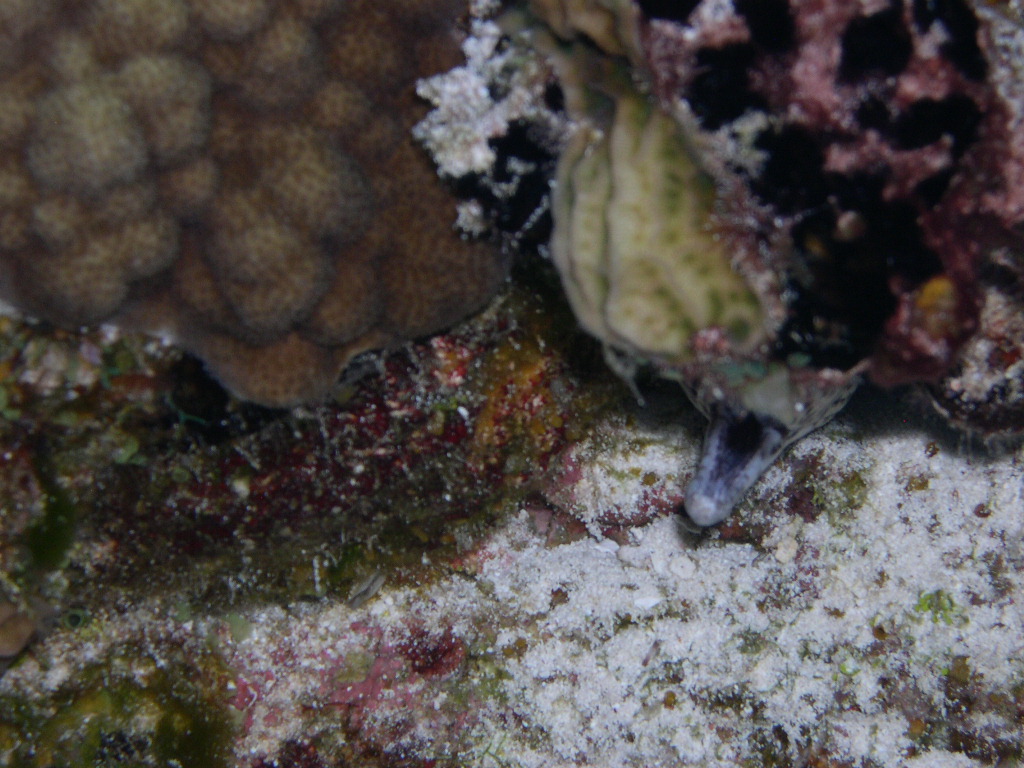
(881, 156)
(238, 175)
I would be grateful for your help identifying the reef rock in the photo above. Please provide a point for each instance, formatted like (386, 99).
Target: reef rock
(770, 201)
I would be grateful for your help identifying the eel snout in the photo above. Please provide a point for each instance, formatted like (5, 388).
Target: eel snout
(738, 448)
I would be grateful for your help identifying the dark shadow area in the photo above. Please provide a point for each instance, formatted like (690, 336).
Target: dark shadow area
(875, 413)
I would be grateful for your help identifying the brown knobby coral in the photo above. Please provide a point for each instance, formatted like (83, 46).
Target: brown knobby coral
(236, 175)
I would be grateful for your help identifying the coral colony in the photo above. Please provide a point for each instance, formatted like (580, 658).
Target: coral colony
(238, 176)
(770, 201)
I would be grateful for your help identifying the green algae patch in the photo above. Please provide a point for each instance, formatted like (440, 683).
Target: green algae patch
(941, 608)
(853, 490)
(166, 719)
(917, 483)
(50, 538)
(820, 488)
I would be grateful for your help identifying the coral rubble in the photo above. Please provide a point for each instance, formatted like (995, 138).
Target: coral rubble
(238, 176)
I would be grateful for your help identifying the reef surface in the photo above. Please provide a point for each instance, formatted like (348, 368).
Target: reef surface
(474, 561)
(470, 555)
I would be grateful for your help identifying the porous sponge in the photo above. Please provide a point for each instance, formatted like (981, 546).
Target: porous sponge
(236, 175)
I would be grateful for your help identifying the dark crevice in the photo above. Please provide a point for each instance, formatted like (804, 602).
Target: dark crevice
(720, 92)
(928, 120)
(671, 10)
(873, 112)
(840, 296)
(770, 22)
(554, 97)
(793, 175)
(205, 412)
(961, 27)
(932, 189)
(839, 290)
(875, 45)
(514, 192)
(519, 143)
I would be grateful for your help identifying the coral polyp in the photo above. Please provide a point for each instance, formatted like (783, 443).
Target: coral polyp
(772, 202)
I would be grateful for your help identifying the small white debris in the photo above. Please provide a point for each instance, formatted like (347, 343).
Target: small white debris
(647, 602)
(240, 486)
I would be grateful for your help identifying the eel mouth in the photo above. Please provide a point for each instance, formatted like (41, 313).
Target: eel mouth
(738, 448)
(750, 425)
